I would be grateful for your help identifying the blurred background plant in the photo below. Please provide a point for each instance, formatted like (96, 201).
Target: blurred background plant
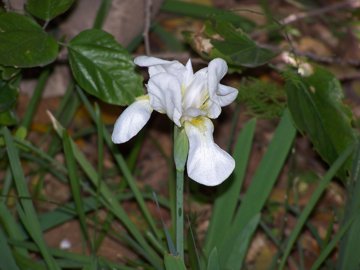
(70, 199)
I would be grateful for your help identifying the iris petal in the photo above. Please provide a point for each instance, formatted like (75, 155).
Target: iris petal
(165, 96)
(157, 65)
(216, 71)
(207, 163)
(226, 94)
(132, 120)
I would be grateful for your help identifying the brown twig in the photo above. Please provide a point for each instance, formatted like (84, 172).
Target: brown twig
(182, 57)
(334, 7)
(314, 57)
(148, 5)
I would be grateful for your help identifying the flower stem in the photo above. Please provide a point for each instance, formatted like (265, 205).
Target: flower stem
(181, 149)
(180, 213)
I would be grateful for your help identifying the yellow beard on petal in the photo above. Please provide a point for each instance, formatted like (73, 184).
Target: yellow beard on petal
(199, 122)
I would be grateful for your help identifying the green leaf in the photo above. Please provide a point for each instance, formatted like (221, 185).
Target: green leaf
(8, 118)
(48, 9)
(8, 72)
(6, 256)
(227, 202)
(199, 11)
(316, 195)
(236, 47)
(213, 260)
(103, 68)
(23, 43)
(26, 209)
(316, 106)
(348, 259)
(263, 99)
(261, 186)
(173, 262)
(8, 95)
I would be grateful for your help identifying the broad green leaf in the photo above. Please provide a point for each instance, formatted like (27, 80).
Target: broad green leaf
(103, 68)
(173, 262)
(23, 43)
(316, 106)
(199, 11)
(48, 9)
(236, 47)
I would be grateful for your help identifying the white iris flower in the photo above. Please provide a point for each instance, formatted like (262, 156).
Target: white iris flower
(190, 100)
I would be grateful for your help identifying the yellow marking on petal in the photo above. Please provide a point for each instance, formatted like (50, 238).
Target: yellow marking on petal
(199, 122)
(143, 97)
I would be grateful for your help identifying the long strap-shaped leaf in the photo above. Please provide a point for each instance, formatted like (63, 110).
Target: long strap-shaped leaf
(258, 192)
(312, 202)
(26, 209)
(123, 167)
(110, 199)
(225, 204)
(348, 257)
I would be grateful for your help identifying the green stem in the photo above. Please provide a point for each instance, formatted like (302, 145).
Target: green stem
(180, 212)
(181, 149)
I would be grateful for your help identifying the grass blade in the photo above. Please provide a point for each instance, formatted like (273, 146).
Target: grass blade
(226, 202)
(6, 257)
(332, 244)
(261, 185)
(123, 167)
(213, 261)
(75, 185)
(348, 259)
(110, 199)
(27, 209)
(312, 202)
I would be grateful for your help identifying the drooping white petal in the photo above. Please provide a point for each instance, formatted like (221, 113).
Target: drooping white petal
(165, 96)
(226, 94)
(207, 163)
(132, 120)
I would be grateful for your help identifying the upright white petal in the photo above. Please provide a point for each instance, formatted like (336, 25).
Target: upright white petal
(216, 71)
(188, 74)
(207, 163)
(165, 96)
(132, 120)
(196, 92)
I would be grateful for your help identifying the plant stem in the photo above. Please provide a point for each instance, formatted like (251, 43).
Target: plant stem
(181, 149)
(180, 212)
